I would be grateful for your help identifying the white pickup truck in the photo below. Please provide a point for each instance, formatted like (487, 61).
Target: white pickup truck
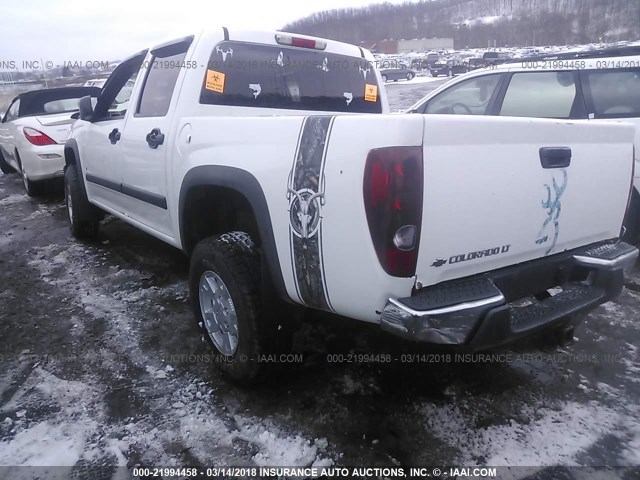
(269, 159)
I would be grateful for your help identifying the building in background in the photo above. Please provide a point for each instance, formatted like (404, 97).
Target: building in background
(389, 47)
(424, 45)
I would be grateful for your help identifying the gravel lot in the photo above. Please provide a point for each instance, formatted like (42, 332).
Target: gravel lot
(101, 364)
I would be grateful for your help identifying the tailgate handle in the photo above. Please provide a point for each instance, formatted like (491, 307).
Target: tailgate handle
(555, 157)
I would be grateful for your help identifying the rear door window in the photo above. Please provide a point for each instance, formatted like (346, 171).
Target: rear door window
(612, 93)
(251, 75)
(469, 97)
(542, 95)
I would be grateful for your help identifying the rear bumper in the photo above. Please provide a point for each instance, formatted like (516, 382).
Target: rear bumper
(480, 312)
(43, 163)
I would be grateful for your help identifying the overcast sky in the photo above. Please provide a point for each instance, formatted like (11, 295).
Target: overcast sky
(105, 30)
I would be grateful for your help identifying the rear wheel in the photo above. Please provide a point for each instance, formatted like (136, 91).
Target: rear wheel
(32, 188)
(84, 218)
(227, 298)
(409, 76)
(5, 167)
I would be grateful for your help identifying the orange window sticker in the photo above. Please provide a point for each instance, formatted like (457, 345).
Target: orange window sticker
(370, 92)
(215, 81)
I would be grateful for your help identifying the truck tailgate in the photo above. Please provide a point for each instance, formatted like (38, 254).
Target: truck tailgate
(500, 191)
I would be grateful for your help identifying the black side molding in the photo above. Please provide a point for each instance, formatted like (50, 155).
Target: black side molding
(147, 197)
(555, 157)
(103, 182)
(137, 193)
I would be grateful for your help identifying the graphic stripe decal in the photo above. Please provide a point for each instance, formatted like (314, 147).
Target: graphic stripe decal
(305, 192)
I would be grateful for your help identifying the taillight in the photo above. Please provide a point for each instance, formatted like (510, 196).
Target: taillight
(300, 42)
(37, 137)
(393, 188)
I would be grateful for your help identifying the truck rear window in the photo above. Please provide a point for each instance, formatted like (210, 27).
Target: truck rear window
(252, 75)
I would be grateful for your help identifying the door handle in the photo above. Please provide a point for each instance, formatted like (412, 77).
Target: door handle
(555, 157)
(114, 136)
(155, 138)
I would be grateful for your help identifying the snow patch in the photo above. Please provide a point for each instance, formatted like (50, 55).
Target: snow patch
(60, 440)
(45, 444)
(278, 450)
(13, 199)
(553, 436)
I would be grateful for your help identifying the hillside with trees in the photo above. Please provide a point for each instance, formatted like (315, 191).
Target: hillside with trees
(478, 23)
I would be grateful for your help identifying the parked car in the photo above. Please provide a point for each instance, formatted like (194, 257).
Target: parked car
(602, 85)
(395, 74)
(33, 131)
(281, 197)
(425, 62)
(432, 57)
(495, 58)
(476, 63)
(448, 68)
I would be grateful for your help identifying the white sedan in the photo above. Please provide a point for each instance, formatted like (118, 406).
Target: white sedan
(33, 132)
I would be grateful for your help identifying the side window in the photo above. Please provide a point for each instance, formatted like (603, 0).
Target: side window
(12, 113)
(159, 85)
(470, 97)
(612, 93)
(541, 94)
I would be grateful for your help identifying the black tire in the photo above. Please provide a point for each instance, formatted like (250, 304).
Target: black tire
(84, 218)
(409, 76)
(5, 167)
(33, 189)
(234, 258)
(631, 221)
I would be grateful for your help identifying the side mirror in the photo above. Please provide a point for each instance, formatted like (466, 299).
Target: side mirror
(86, 110)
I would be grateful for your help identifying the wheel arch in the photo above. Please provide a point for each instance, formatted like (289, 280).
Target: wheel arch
(631, 221)
(72, 157)
(244, 207)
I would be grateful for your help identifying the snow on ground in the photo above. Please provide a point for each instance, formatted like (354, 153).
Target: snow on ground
(121, 402)
(554, 436)
(12, 199)
(193, 418)
(487, 19)
(62, 438)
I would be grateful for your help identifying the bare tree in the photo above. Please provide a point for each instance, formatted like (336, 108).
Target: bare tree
(518, 22)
